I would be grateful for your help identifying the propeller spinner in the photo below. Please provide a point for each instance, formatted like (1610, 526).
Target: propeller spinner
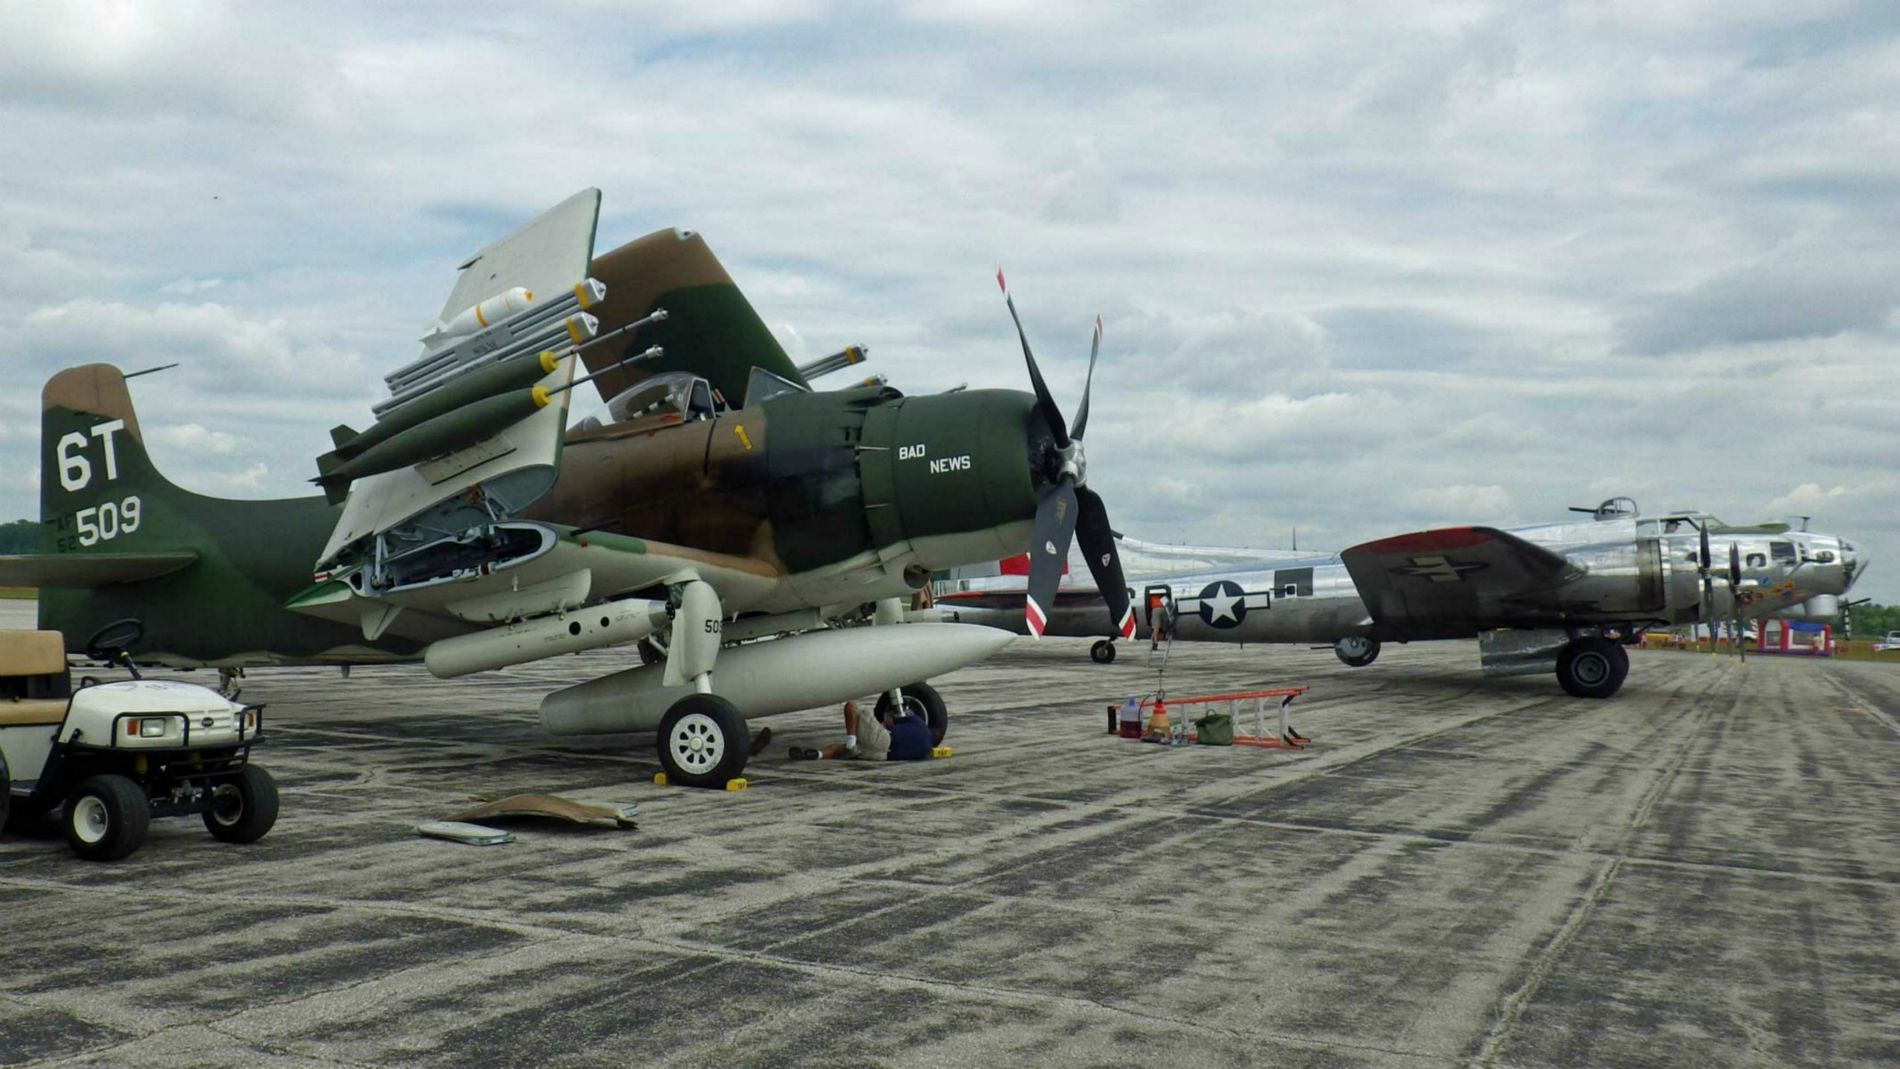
(1066, 509)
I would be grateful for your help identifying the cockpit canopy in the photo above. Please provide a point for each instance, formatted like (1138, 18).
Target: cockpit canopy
(673, 393)
(1616, 508)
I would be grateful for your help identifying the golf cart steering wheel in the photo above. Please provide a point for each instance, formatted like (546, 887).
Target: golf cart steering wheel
(113, 642)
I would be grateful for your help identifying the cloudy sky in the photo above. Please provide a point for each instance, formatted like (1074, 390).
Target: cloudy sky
(1364, 267)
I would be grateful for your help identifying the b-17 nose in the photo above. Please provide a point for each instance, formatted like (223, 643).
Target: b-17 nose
(1852, 564)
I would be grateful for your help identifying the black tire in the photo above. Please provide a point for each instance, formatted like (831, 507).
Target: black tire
(1586, 668)
(933, 710)
(703, 741)
(1103, 652)
(244, 809)
(1622, 666)
(6, 790)
(107, 817)
(650, 651)
(1355, 651)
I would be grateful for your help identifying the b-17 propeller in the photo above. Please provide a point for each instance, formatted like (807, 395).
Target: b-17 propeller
(1066, 508)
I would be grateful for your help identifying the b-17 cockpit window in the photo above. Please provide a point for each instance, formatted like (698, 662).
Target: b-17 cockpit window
(1781, 551)
(1756, 560)
(1825, 556)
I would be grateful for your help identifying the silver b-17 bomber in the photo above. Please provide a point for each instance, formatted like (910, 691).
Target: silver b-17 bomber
(1561, 597)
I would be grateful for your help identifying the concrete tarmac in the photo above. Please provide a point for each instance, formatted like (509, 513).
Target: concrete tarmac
(1704, 870)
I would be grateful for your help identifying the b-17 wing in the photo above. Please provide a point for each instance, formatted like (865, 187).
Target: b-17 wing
(1448, 577)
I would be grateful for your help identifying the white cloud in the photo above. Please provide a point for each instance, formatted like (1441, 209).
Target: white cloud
(194, 439)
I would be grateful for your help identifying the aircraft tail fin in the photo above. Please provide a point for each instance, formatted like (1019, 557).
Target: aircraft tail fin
(341, 435)
(100, 496)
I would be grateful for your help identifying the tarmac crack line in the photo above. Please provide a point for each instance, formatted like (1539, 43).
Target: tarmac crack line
(1514, 1004)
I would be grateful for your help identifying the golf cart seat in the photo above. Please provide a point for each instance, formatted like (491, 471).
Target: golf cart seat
(34, 681)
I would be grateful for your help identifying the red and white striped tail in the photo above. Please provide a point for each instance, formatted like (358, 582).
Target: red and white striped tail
(1128, 622)
(1038, 620)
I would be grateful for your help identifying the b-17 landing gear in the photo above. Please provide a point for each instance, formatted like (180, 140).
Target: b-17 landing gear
(1103, 652)
(1356, 651)
(1592, 667)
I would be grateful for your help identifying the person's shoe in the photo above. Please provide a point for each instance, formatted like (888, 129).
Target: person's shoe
(850, 751)
(799, 753)
(761, 740)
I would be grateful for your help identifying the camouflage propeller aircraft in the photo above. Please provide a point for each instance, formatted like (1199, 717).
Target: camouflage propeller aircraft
(471, 527)
(1539, 599)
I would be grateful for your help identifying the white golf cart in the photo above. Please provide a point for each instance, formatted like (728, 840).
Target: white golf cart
(118, 754)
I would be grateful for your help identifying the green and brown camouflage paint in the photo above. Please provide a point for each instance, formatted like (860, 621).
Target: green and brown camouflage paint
(797, 483)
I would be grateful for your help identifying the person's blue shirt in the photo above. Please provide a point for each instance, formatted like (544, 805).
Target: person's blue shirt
(910, 739)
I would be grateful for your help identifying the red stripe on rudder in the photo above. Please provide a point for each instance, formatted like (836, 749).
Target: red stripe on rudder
(1428, 541)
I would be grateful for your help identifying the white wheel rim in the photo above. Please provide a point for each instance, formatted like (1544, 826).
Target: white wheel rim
(227, 806)
(696, 743)
(1355, 647)
(1591, 669)
(915, 707)
(90, 821)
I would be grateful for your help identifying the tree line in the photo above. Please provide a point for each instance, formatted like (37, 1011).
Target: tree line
(20, 536)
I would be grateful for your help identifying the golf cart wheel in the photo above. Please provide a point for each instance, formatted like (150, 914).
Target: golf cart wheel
(1103, 652)
(107, 817)
(1355, 651)
(1587, 667)
(921, 699)
(703, 741)
(244, 809)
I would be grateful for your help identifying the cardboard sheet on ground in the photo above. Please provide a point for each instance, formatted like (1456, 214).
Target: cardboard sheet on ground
(599, 814)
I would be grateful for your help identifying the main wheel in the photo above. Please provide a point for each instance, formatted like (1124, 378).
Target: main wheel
(1587, 667)
(107, 817)
(1356, 651)
(6, 790)
(1103, 652)
(244, 809)
(703, 741)
(1619, 652)
(921, 699)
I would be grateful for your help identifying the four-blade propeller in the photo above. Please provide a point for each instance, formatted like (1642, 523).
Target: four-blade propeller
(1066, 509)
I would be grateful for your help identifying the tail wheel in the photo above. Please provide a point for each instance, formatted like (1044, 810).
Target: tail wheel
(243, 809)
(1589, 667)
(1356, 651)
(1103, 652)
(107, 817)
(703, 741)
(922, 700)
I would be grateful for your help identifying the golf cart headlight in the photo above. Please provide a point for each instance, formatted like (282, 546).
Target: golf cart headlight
(151, 727)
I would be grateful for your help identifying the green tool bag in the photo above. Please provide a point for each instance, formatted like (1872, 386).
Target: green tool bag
(1214, 729)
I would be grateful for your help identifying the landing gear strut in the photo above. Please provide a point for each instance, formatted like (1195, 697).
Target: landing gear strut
(1592, 667)
(1103, 652)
